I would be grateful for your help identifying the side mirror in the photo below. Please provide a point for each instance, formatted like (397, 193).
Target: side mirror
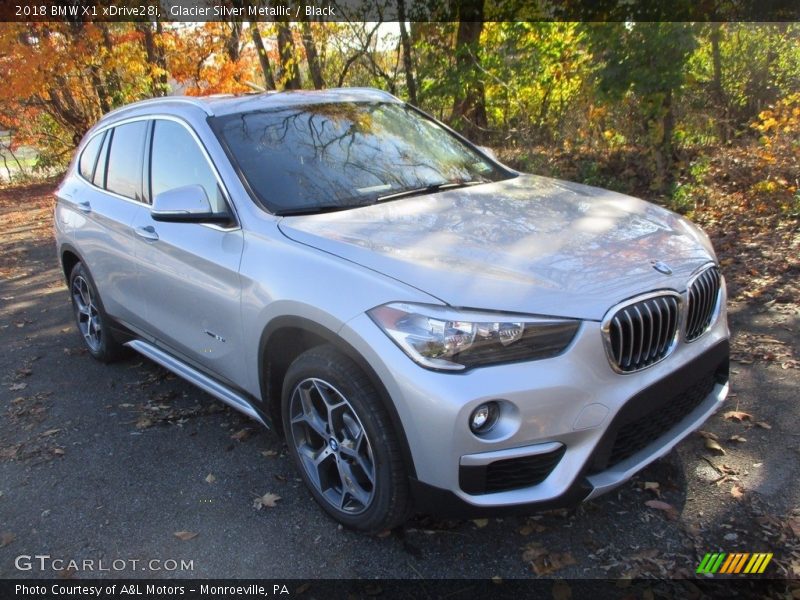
(488, 152)
(187, 204)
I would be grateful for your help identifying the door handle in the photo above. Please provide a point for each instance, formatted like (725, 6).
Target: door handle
(148, 233)
(84, 207)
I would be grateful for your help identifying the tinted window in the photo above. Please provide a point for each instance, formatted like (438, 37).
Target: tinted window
(178, 161)
(100, 171)
(89, 157)
(346, 154)
(125, 160)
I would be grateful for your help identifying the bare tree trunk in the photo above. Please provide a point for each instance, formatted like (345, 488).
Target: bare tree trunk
(469, 108)
(155, 57)
(311, 55)
(716, 87)
(99, 88)
(114, 86)
(263, 59)
(663, 156)
(233, 42)
(408, 61)
(290, 74)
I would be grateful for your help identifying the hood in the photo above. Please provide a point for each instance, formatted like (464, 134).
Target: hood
(529, 245)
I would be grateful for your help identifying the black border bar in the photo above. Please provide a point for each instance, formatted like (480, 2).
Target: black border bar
(415, 10)
(383, 589)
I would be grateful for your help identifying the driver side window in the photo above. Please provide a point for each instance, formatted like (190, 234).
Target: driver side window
(177, 161)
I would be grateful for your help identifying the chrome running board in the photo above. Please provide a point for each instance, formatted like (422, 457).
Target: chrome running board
(204, 382)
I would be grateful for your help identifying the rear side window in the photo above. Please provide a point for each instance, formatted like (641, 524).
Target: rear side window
(100, 170)
(89, 157)
(177, 161)
(125, 160)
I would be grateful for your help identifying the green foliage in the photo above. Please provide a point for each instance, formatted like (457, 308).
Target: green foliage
(685, 196)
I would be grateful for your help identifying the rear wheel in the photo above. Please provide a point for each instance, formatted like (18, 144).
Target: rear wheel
(342, 441)
(93, 323)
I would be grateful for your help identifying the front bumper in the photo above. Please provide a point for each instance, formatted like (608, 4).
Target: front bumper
(572, 410)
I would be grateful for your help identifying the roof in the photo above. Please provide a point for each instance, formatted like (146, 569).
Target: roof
(224, 104)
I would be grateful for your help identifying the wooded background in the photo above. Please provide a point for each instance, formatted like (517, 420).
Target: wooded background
(640, 107)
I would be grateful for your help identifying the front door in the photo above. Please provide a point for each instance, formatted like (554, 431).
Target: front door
(189, 272)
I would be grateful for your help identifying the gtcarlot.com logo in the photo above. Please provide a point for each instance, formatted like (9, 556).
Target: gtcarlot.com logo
(742, 563)
(45, 562)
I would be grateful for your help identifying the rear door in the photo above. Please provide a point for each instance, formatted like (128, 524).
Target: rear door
(189, 272)
(106, 206)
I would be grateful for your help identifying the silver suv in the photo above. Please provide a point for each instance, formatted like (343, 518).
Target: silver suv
(430, 329)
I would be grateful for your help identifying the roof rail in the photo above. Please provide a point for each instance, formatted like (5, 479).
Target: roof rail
(163, 100)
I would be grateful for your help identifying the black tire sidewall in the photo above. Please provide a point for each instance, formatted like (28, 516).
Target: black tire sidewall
(342, 373)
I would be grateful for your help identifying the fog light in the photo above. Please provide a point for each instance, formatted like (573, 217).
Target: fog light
(484, 417)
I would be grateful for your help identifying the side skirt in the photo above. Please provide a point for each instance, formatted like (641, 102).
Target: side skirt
(204, 382)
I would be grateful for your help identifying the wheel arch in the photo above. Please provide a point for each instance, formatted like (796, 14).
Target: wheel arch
(284, 339)
(69, 257)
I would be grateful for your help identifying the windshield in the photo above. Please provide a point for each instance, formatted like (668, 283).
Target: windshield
(332, 156)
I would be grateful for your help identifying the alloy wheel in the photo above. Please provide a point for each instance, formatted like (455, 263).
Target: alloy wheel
(87, 313)
(333, 446)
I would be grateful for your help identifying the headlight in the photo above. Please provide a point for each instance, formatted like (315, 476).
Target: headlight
(442, 338)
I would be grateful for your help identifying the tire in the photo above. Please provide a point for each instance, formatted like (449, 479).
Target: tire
(90, 317)
(342, 441)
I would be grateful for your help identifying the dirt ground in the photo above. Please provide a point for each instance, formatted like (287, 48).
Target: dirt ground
(128, 462)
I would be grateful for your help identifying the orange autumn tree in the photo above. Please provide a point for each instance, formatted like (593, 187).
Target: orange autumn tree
(59, 78)
(211, 58)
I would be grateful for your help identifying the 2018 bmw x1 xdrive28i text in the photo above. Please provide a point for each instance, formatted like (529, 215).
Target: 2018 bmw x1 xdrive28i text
(429, 328)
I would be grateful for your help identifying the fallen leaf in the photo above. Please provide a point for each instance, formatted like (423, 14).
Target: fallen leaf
(737, 438)
(49, 432)
(531, 527)
(144, 423)
(58, 451)
(18, 386)
(552, 562)
(794, 525)
(669, 511)
(269, 453)
(9, 451)
(383, 534)
(652, 486)
(737, 492)
(241, 434)
(737, 415)
(764, 425)
(269, 500)
(479, 523)
(185, 535)
(6, 538)
(714, 445)
(532, 552)
(708, 435)
(210, 478)
(646, 554)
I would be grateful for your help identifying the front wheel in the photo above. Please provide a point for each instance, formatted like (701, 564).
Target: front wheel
(343, 442)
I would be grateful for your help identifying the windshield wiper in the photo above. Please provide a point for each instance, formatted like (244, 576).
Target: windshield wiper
(313, 210)
(428, 189)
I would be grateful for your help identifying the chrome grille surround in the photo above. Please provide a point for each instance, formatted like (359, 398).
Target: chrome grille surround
(642, 331)
(703, 302)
